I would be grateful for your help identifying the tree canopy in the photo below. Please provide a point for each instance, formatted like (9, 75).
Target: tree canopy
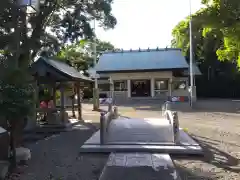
(216, 40)
(216, 26)
(81, 55)
(22, 36)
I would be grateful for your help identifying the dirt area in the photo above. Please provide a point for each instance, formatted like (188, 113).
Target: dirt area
(215, 124)
(219, 135)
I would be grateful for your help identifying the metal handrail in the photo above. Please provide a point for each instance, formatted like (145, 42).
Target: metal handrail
(172, 117)
(105, 120)
(166, 106)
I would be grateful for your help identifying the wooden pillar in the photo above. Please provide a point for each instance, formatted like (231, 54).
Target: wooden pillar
(170, 87)
(79, 105)
(54, 94)
(111, 94)
(128, 88)
(102, 128)
(152, 87)
(73, 100)
(176, 128)
(36, 94)
(62, 109)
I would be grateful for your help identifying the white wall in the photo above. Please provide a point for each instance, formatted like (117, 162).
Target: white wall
(141, 75)
(146, 75)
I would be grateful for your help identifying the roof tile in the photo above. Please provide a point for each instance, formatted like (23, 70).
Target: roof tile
(147, 59)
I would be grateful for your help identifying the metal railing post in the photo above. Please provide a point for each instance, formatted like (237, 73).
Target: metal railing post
(176, 127)
(109, 107)
(115, 112)
(102, 128)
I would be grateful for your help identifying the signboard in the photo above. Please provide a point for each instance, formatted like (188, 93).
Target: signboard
(177, 99)
(105, 100)
(31, 6)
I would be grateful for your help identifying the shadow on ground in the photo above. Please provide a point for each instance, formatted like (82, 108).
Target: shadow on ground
(202, 105)
(193, 174)
(41, 133)
(217, 157)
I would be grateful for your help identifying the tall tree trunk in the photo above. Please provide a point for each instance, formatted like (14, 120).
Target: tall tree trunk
(13, 159)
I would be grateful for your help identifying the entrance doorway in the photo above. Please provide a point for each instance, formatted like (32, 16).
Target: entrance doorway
(140, 88)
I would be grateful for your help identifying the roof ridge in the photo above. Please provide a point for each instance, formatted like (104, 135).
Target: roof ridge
(141, 50)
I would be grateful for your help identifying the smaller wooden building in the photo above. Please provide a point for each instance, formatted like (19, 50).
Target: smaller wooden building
(55, 74)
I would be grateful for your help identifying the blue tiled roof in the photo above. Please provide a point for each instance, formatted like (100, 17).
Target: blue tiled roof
(134, 60)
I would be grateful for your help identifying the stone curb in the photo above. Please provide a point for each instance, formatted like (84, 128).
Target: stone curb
(4, 167)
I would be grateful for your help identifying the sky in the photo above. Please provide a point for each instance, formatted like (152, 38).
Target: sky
(146, 24)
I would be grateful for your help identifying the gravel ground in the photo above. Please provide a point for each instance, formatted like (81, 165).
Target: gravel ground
(57, 158)
(216, 126)
(219, 134)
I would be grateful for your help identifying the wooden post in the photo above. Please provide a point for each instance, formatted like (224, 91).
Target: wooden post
(110, 103)
(168, 105)
(109, 107)
(79, 101)
(62, 102)
(36, 94)
(176, 128)
(115, 112)
(73, 107)
(170, 87)
(54, 94)
(73, 100)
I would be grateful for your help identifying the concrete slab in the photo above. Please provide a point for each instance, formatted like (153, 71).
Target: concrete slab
(187, 146)
(140, 130)
(185, 140)
(172, 150)
(139, 166)
(139, 135)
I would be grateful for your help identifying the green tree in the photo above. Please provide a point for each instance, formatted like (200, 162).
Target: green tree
(16, 104)
(24, 36)
(215, 42)
(81, 55)
(224, 16)
(219, 20)
(56, 23)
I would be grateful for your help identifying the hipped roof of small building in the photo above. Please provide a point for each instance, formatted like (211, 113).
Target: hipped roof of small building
(60, 70)
(166, 59)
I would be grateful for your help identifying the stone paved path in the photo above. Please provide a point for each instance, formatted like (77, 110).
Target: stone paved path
(139, 166)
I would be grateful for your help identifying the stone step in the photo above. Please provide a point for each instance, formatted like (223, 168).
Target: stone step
(139, 166)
